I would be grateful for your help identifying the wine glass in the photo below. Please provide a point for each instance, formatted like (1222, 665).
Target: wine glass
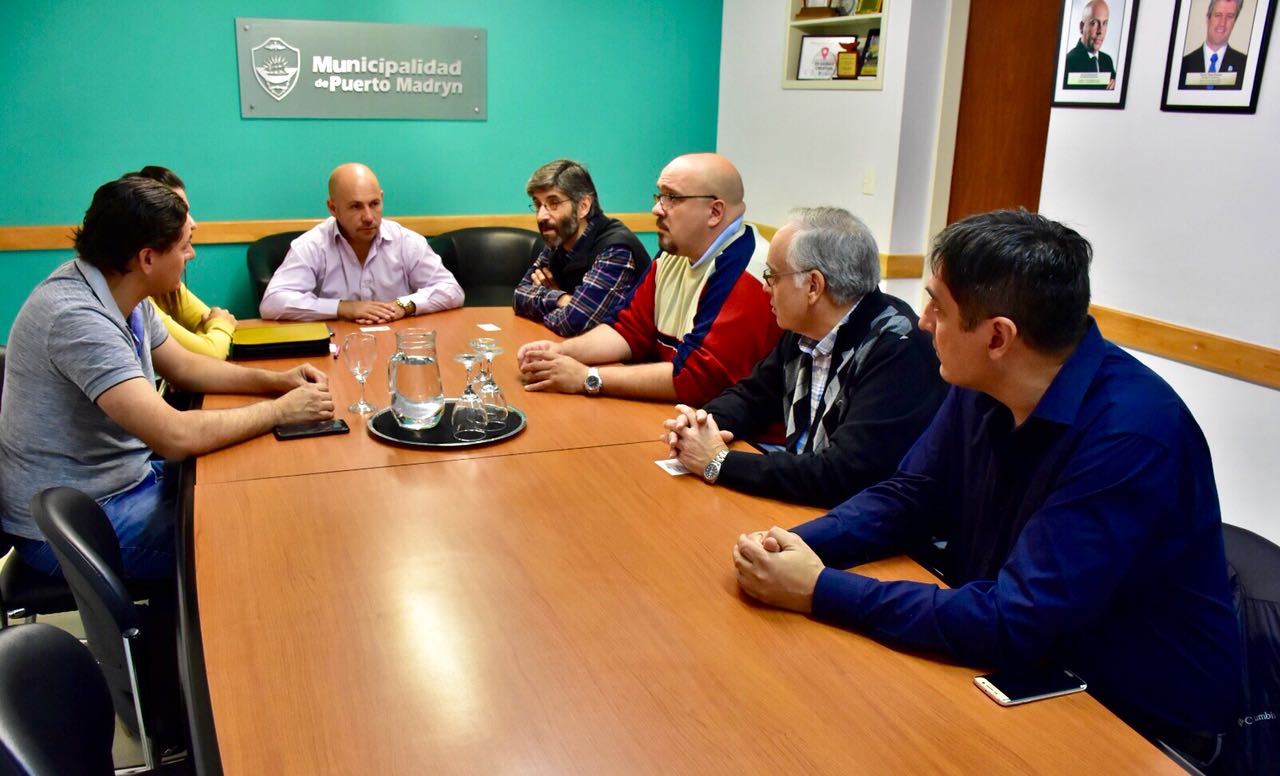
(495, 403)
(360, 350)
(469, 416)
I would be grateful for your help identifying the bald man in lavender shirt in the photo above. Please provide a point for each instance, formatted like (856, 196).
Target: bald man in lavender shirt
(358, 266)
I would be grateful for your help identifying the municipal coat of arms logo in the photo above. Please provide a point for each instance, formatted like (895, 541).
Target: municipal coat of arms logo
(276, 65)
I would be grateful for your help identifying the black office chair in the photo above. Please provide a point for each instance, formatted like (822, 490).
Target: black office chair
(132, 643)
(264, 256)
(1253, 565)
(55, 708)
(25, 592)
(488, 261)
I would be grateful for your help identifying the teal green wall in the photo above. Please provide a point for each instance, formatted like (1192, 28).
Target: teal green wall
(94, 89)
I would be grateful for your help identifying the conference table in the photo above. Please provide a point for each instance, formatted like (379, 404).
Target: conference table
(556, 603)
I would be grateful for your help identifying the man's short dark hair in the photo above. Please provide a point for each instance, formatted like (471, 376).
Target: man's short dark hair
(127, 215)
(571, 178)
(1022, 266)
(158, 174)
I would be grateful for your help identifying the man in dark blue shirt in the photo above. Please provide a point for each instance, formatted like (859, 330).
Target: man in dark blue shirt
(1073, 488)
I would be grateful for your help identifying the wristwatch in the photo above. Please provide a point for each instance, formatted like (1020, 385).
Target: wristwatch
(593, 383)
(712, 472)
(407, 304)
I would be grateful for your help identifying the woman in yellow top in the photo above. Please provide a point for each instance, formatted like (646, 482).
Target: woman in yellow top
(196, 326)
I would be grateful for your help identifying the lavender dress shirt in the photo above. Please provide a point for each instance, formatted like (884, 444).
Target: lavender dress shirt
(321, 270)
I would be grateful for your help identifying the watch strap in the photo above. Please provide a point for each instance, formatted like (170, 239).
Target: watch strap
(712, 472)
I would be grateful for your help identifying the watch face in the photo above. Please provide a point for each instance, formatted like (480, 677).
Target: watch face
(593, 383)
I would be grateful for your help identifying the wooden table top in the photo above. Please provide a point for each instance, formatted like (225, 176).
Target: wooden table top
(568, 611)
(555, 422)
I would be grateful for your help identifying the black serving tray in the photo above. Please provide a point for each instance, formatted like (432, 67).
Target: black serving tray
(383, 426)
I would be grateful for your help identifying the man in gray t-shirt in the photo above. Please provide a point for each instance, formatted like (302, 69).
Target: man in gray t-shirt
(80, 406)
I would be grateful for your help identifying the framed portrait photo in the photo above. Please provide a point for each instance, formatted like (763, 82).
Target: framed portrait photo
(1216, 52)
(819, 55)
(1095, 45)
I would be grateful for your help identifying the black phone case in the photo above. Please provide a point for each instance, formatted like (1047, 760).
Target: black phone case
(285, 433)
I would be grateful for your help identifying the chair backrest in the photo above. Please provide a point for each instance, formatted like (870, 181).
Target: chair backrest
(55, 709)
(1253, 744)
(88, 552)
(264, 256)
(488, 261)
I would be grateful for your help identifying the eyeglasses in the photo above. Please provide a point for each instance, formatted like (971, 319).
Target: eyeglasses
(771, 277)
(666, 199)
(552, 204)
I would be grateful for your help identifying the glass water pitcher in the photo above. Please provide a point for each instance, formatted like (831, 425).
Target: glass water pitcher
(413, 380)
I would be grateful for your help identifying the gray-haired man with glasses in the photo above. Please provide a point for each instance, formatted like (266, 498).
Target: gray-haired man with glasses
(590, 262)
(853, 381)
(699, 318)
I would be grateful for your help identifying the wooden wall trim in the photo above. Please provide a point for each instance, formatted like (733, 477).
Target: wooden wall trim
(901, 266)
(1233, 358)
(58, 237)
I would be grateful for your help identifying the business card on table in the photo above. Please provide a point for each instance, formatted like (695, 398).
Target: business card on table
(488, 327)
(372, 329)
(671, 466)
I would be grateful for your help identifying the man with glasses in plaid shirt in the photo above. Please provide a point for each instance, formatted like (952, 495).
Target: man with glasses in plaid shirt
(590, 262)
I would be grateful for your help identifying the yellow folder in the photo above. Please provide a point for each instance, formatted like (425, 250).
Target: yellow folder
(281, 340)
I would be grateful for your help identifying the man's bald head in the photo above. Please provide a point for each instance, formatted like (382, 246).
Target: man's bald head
(355, 199)
(704, 192)
(1093, 24)
(351, 174)
(716, 174)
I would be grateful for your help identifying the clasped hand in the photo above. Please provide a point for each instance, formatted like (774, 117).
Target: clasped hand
(776, 567)
(307, 396)
(693, 438)
(369, 312)
(545, 367)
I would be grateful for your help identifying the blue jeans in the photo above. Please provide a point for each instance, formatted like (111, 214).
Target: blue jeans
(143, 518)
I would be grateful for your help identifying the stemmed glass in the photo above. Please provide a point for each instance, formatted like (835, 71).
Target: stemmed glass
(360, 350)
(495, 403)
(469, 416)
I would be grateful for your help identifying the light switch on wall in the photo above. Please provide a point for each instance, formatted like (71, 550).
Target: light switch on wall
(869, 181)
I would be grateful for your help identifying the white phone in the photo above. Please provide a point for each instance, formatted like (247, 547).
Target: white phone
(1009, 688)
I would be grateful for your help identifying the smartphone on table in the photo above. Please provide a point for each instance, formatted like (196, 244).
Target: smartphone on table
(1009, 688)
(311, 429)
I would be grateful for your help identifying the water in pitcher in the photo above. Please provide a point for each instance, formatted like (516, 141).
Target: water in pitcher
(413, 377)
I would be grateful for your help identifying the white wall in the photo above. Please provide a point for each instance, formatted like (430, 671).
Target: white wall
(800, 148)
(1178, 205)
(1132, 181)
(1179, 208)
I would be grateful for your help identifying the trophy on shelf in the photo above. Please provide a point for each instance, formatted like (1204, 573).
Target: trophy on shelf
(847, 60)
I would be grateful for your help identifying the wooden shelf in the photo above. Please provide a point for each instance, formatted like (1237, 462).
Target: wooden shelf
(837, 23)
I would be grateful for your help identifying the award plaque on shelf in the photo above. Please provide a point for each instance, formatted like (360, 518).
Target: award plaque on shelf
(819, 56)
(816, 9)
(847, 64)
